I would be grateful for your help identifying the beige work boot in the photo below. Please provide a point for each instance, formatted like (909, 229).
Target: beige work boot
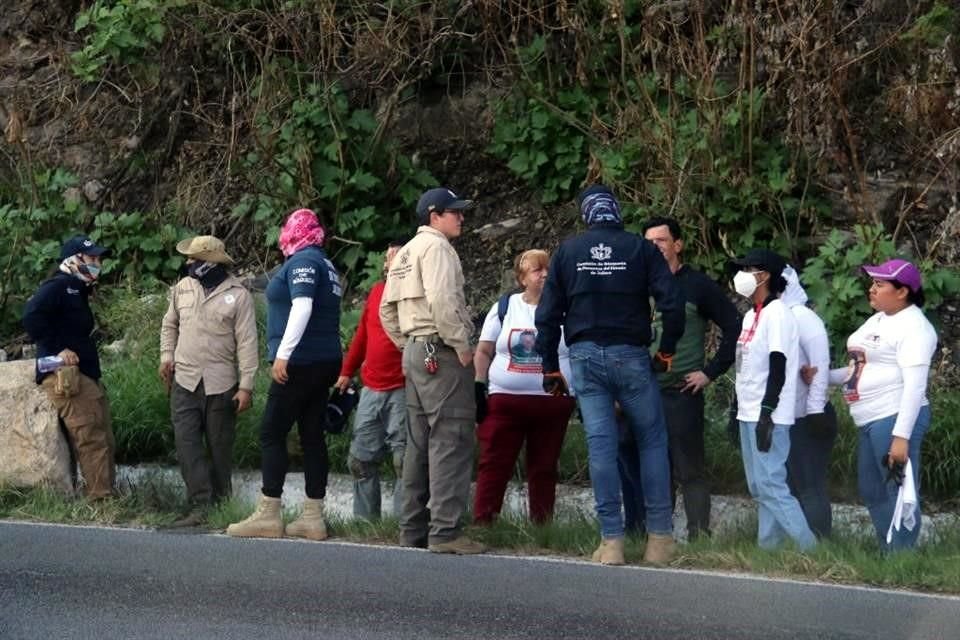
(610, 552)
(310, 524)
(659, 549)
(462, 546)
(265, 522)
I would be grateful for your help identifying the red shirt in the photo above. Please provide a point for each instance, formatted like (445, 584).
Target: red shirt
(381, 368)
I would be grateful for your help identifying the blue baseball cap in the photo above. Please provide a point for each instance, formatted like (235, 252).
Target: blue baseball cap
(82, 244)
(439, 200)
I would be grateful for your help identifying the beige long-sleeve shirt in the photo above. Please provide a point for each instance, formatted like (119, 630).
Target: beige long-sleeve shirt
(424, 293)
(211, 336)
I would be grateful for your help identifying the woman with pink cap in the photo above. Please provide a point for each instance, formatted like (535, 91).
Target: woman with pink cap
(885, 387)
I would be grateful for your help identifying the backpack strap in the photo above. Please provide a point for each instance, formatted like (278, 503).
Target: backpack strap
(502, 305)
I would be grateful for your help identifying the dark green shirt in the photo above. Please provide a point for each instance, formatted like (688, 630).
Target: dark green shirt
(705, 302)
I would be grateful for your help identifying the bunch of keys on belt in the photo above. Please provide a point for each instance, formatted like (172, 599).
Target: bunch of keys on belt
(430, 362)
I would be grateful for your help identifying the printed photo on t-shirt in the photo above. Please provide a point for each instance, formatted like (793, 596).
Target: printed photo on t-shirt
(857, 361)
(523, 356)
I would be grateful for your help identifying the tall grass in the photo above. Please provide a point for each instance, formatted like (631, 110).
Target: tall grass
(138, 401)
(154, 501)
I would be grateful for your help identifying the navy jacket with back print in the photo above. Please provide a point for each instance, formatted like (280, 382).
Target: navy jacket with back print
(599, 287)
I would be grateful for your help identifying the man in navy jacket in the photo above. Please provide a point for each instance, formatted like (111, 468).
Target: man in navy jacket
(60, 322)
(599, 288)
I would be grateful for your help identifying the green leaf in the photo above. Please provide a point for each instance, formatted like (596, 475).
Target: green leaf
(156, 31)
(520, 163)
(151, 243)
(362, 121)
(364, 181)
(539, 119)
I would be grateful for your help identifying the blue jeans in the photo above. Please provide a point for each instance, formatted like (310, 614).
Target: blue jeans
(603, 375)
(779, 513)
(880, 496)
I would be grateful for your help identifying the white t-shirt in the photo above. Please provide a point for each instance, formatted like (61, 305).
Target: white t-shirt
(516, 366)
(773, 329)
(814, 350)
(877, 351)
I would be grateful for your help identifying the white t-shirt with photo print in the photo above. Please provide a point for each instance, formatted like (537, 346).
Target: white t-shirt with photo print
(772, 329)
(516, 367)
(878, 351)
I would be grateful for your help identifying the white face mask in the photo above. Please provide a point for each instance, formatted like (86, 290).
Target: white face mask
(745, 283)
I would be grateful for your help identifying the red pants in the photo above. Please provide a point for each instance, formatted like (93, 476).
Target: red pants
(541, 421)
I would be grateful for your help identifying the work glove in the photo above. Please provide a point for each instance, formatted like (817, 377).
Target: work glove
(67, 381)
(895, 471)
(820, 425)
(662, 362)
(480, 391)
(733, 425)
(764, 431)
(554, 384)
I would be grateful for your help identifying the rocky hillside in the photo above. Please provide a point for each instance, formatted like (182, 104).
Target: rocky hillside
(141, 120)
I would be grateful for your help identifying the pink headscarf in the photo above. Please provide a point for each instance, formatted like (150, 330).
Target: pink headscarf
(301, 229)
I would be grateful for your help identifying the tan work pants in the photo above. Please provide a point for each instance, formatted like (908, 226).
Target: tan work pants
(438, 460)
(86, 416)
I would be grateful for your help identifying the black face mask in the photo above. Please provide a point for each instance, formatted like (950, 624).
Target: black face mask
(210, 274)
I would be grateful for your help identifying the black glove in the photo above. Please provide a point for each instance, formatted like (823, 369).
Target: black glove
(662, 362)
(821, 425)
(733, 425)
(480, 390)
(764, 431)
(895, 471)
(554, 384)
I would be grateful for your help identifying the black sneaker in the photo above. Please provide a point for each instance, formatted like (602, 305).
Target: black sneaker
(195, 518)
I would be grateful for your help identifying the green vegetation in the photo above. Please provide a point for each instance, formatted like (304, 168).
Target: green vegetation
(329, 154)
(34, 223)
(833, 280)
(119, 31)
(726, 118)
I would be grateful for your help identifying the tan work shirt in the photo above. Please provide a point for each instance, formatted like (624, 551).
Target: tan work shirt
(424, 293)
(209, 336)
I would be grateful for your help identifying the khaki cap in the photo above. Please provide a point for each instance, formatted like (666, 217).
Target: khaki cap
(205, 248)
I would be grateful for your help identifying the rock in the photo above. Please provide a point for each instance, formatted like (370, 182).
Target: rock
(495, 230)
(72, 195)
(33, 451)
(92, 190)
(116, 347)
(131, 143)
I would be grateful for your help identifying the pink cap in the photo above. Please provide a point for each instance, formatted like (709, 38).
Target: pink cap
(900, 270)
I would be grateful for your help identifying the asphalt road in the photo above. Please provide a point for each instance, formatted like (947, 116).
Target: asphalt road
(80, 582)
